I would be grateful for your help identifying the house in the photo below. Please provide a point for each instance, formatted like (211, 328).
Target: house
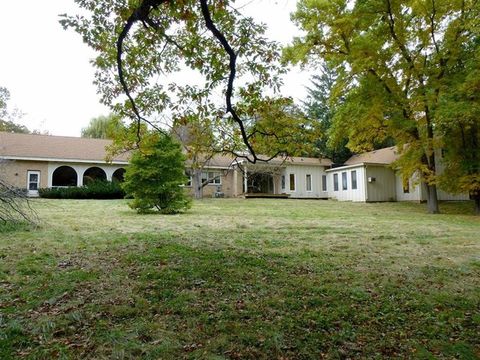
(370, 177)
(44, 161)
(294, 177)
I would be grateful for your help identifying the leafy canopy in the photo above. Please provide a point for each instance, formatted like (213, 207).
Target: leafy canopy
(181, 59)
(395, 59)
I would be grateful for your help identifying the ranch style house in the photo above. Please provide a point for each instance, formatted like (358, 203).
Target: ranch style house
(43, 161)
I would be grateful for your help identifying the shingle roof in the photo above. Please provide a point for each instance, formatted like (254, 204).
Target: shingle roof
(381, 156)
(47, 147)
(55, 147)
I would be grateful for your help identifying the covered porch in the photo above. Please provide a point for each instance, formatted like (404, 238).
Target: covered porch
(263, 181)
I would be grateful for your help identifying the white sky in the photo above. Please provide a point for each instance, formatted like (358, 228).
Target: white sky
(48, 73)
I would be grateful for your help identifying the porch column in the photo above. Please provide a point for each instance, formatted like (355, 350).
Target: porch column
(245, 180)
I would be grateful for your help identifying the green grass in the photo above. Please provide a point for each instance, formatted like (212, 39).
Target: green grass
(242, 279)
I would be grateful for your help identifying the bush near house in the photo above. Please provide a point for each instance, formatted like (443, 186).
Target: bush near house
(95, 190)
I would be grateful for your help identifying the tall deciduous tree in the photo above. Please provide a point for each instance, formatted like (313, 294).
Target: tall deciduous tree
(103, 127)
(459, 125)
(394, 58)
(145, 46)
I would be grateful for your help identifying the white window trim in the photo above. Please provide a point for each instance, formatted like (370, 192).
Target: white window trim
(306, 183)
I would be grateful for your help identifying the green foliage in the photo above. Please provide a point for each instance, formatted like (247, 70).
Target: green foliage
(98, 189)
(103, 127)
(394, 60)
(155, 177)
(318, 106)
(173, 41)
(280, 127)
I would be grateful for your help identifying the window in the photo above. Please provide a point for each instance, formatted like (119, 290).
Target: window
(292, 182)
(335, 182)
(324, 182)
(344, 181)
(406, 187)
(213, 177)
(354, 180)
(308, 182)
(283, 182)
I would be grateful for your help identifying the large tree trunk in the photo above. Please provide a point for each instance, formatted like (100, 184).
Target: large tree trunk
(432, 200)
(476, 199)
(197, 183)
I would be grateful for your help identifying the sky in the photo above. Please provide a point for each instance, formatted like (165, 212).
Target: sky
(48, 72)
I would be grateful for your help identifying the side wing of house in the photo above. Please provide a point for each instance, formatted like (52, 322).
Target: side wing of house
(347, 183)
(303, 181)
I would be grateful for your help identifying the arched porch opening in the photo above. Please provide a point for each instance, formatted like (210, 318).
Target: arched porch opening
(119, 175)
(64, 176)
(94, 174)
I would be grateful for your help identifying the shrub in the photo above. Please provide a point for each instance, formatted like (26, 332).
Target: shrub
(98, 189)
(155, 178)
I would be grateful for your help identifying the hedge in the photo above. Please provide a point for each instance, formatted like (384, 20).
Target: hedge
(94, 190)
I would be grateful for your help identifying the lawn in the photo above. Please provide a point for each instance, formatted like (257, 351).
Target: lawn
(242, 279)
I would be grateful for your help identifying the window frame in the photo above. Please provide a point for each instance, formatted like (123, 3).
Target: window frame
(344, 181)
(353, 179)
(335, 182)
(307, 177)
(294, 182)
(324, 183)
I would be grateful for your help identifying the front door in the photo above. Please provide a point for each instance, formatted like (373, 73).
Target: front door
(33, 182)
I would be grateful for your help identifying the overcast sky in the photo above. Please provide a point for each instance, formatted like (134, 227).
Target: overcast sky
(48, 73)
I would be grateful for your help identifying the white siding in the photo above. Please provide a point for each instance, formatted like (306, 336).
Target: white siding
(349, 194)
(301, 172)
(415, 193)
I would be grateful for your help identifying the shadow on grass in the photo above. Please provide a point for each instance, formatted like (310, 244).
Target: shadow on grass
(157, 297)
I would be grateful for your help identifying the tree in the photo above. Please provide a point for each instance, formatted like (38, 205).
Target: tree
(200, 144)
(8, 118)
(144, 45)
(318, 106)
(103, 127)
(156, 175)
(394, 59)
(459, 125)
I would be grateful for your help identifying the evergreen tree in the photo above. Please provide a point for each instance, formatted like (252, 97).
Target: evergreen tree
(156, 175)
(317, 106)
